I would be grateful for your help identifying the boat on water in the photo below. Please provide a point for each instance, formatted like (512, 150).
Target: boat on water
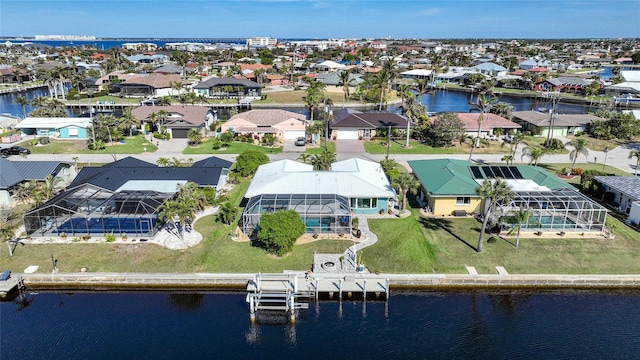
(626, 99)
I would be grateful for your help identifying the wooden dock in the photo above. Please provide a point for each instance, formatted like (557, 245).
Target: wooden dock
(11, 285)
(290, 292)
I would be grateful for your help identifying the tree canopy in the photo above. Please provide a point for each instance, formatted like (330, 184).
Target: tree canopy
(248, 162)
(279, 231)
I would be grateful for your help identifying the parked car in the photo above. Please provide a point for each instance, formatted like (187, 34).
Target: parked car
(301, 141)
(15, 150)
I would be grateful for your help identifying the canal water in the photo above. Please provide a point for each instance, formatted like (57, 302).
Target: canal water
(411, 325)
(439, 101)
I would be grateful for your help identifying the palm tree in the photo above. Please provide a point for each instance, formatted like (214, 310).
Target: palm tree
(227, 213)
(485, 102)
(384, 78)
(323, 160)
(38, 102)
(517, 218)
(636, 154)
(517, 139)
(23, 102)
(345, 77)
(534, 153)
(422, 87)
(128, 121)
(163, 162)
(508, 159)
(406, 183)
(314, 96)
(51, 186)
(497, 191)
(195, 136)
(169, 211)
(579, 147)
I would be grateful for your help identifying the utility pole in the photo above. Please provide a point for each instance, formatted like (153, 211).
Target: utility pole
(606, 152)
(554, 97)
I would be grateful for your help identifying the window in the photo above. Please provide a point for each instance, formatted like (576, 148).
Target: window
(463, 200)
(364, 203)
(73, 131)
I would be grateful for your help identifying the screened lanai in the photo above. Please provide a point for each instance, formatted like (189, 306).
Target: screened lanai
(321, 213)
(556, 210)
(95, 211)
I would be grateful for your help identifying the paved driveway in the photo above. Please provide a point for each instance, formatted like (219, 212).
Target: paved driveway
(290, 147)
(349, 146)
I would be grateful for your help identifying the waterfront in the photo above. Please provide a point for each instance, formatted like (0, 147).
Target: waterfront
(439, 101)
(434, 325)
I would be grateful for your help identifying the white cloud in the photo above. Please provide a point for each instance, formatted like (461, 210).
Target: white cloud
(428, 12)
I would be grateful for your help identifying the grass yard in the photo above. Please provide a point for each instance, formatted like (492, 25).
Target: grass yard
(319, 149)
(420, 245)
(556, 168)
(600, 144)
(235, 148)
(397, 147)
(132, 145)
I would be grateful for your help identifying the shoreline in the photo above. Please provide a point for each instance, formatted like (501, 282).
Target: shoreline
(238, 282)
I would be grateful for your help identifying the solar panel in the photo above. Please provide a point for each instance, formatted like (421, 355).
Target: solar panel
(516, 173)
(506, 171)
(488, 171)
(477, 174)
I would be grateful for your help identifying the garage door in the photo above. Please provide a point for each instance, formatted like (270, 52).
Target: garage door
(347, 135)
(179, 133)
(293, 134)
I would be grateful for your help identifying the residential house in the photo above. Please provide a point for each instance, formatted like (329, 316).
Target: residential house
(325, 200)
(490, 122)
(149, 85)
(221, 88)
(563, 124)
(284, 125)
(575, 85)
(61, 128)
(351, 124)
(180, 119)
(629, 88)
(417, 74)
(328, 65)
(14, 173)
(490, 69)
(123, 197)
(625, 194)
(448, 188)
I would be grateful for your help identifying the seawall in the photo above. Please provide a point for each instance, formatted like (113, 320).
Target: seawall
(205, 281)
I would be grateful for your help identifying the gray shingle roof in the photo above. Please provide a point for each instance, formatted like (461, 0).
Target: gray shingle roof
(14, 172)
(629, 185)
(114, 175)
(371, 120)
(226, 81)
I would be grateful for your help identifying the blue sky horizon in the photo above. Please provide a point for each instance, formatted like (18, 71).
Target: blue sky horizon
(322, 18)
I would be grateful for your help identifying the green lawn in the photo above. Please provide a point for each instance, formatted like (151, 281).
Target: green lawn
(419, 245)
(319, 149)
(132, 145)
(397, 147)
(556, 168)
(235, 148)
(408, 245)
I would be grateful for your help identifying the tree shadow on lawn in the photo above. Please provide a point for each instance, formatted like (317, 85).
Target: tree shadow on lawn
(444, 224)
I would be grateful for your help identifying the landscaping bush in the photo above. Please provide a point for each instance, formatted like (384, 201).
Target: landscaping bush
(44, 140)
(248, 162)
(279, 231)
(216, 144)
(209, 195)
(160, 136)
(577, 171)
(588, 185)
(110, 237)
(554, 144)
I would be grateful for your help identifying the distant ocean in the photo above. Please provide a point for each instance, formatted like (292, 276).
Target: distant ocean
(105, 44)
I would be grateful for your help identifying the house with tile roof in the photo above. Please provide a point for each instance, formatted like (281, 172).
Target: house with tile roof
(563, 124)
(572, 84)
(14, 173)
(180, 118)
(448, 187)
(284, 125)
(154, 84)
(352, 124)
(490, 122)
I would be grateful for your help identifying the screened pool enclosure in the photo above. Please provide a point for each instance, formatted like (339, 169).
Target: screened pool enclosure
(94, 211)
(321, 213)
(556, 210)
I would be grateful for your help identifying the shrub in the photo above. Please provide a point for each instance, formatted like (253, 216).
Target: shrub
(44, 140)
(554, 144)
(590, 186)
(209, 195)
(354, 223)
(226, 137)
(110, 237)
(577, 171)
(578, 133)
(247, 163)
(279, 231)
(216, 144)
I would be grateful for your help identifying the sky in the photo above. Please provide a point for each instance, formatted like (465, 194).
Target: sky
(294, 19)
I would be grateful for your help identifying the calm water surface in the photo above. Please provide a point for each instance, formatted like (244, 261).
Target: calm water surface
(425, 325)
